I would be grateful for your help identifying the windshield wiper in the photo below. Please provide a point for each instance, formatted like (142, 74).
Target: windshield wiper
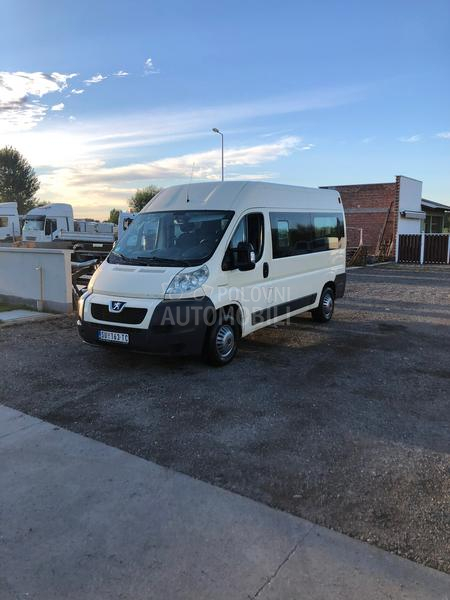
(165, 261)
(127, 260)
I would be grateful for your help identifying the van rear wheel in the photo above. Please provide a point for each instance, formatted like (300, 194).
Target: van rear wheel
(221, 343)
(324, 312)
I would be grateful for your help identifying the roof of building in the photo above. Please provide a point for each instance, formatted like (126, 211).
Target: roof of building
(432, 204)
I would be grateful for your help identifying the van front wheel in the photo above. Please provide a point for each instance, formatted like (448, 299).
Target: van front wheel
(221, 343)
(324, 312)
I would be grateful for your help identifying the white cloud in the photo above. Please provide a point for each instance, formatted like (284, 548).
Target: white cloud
(77, 91)
(121, 73)
(206, 163)
(368, 140)
(412, 139)
(106, 187)
(445, 135)
(96, 79)
(20, 93)
(58, 107)
(72, 118)
(73, 158)
(116, 135)
(150, 68)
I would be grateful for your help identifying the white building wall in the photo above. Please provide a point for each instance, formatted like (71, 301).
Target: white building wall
(410, 199)
(20, 278)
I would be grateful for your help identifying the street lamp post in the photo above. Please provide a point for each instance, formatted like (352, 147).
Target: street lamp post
(221, 135)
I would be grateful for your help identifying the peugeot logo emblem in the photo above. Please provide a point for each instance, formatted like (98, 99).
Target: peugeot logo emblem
(115, 306)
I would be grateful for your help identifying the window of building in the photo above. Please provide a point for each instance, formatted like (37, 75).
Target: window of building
(446, 222)
(437, 224)
(434, 224)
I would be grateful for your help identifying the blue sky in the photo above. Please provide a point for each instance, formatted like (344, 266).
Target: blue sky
(105, 97)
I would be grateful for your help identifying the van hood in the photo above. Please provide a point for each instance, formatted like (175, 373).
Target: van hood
(132, 281)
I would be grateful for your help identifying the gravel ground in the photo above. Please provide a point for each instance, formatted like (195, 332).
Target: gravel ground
(345, 424)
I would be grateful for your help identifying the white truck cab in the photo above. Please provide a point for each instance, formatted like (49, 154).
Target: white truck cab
(44, 223)
(9, 221)
(206, 264)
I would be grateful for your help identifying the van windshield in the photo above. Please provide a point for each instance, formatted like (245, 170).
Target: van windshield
(178, 238)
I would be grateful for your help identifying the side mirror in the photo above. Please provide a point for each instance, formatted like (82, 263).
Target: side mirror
(246, 256)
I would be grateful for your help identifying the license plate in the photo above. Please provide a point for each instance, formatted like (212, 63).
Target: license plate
(113, 336)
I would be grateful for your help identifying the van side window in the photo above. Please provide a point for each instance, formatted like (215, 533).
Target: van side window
(327, 232)
(305, 233)
(250, 229)
(291, 234)
(3, 221)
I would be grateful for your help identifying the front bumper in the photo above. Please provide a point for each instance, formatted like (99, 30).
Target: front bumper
(177, 327)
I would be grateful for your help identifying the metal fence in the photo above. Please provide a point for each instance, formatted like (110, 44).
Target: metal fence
(423, 248)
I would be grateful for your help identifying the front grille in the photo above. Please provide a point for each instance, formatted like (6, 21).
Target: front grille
(131, 316)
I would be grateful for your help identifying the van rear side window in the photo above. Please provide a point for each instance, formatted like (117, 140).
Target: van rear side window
(3, 221)
(305, 233)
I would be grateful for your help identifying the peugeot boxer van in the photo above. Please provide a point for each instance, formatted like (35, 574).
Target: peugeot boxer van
(206, 264)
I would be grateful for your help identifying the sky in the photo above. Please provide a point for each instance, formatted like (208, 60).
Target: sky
(106, 97)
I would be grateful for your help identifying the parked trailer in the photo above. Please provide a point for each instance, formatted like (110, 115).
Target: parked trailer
(205, 264)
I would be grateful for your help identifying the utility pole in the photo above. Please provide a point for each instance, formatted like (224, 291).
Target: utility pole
(221, 135)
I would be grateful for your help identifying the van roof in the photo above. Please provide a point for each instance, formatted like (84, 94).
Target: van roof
(242, 195)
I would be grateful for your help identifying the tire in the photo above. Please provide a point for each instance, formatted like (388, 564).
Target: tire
(324, 312)
(221, 342)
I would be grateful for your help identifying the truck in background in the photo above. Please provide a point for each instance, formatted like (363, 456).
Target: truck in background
(55, 222)
(42, 224)
(9, 221)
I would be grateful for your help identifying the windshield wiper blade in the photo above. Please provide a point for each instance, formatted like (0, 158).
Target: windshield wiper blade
(165, 261)
(127, 260)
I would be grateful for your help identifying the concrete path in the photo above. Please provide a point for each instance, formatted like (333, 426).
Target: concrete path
(81, 520)
(14, 316)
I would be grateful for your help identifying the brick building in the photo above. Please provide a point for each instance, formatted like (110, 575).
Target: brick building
(376, 212)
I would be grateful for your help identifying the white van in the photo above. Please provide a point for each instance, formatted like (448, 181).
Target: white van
(209, 263)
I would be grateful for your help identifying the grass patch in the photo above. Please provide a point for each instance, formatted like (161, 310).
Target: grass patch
(6, 307)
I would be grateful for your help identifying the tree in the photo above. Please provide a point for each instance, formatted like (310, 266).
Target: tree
(114, 216)
(18, 181)
(142, 197)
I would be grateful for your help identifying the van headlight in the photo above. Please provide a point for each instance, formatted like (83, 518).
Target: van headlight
(81, 303)
(188, 282)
